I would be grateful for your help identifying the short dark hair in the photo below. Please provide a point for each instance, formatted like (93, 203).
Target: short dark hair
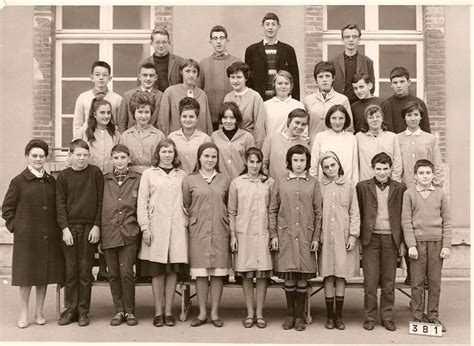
(232, 106)
(78, 143)
(271, 16)
(334, 109)
(140, 99)
(189, 62)
(101, 63)
(399, 71)
(37, 143)
(239, 66)
(324, 66)
(120, 148)
(165, 142)
(149, 65)
(217, 28)
(423, 163)
(358, 76)
(369, 110)
(189, 103)
(410, 107)
(298, 149)
(202, 147)
(161, 31)
(351, 26)
(382, 158)
(297, 113)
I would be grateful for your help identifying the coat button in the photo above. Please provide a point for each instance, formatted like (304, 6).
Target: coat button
(45, 207)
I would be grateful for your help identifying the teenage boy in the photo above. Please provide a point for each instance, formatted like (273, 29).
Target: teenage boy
(213, 78)
(267, 57)
(400, 84)
(380, 203)
(362, 87)
(147, 76)
(275, 147)
(166, 63)
(120, 233)
(319, 102)
(351, 62)
(426, 224)
(79, 191)
(100, 76)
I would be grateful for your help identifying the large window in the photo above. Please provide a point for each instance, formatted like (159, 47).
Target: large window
(391, 36)
(119, 35)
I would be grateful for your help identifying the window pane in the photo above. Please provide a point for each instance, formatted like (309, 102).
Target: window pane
(397, 17)
(127, 57)
(339, 16)
(77, 59)
(120, 87)
(336, 49)
(80, 17)
(66, 125)
(70, 92)
(132, 17)
(385, 91)
(397, 55)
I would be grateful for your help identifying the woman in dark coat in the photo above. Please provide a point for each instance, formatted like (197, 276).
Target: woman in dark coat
(30, 214)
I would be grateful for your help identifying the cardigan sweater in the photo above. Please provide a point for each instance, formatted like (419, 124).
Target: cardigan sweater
(426, 219)
(397, 104)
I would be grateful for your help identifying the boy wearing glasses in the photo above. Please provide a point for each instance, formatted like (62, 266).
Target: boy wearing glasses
(213, 77)
(167, 64)
(351, 62)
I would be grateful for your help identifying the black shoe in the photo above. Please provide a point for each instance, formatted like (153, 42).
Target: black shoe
(436, 321)
(340, 324)
(299, 324)
(288, 323)
(169, 321)
(389, 325)
(118, 319)
(83, 320)
(131, 319)
(330, 324)
(369, 325)
(159, 321)
(67, 317)
(101, 278)
(196, 322)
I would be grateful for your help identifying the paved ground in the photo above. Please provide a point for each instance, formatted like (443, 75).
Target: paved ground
(454, 307)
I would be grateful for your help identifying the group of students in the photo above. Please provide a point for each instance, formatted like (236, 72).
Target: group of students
(206, 182)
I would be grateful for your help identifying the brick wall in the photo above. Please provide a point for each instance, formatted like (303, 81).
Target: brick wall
(43, 67)
(164, 19)
(435, 66)
(313, 37)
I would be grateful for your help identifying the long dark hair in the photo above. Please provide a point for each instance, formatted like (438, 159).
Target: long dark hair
(92, 122)
(259, 154)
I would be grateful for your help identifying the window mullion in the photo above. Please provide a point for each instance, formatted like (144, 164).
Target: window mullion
(371, 18)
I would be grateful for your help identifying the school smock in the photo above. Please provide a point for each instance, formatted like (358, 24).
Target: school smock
(119, 225)
(340, 220)
(160, 211)
(187, 148)
(344, 144)
(251, 106)
(232, 152)
(276, 117)
(274, 153)
(295, 219)
(317, 106)
(369, 145)
(142, 145)
(248, 219)
(206, 205)
(168, 115)
(419, 145)
(101, 148)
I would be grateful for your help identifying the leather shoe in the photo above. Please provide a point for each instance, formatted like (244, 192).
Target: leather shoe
(131, 319)
(118, 319)
(389, 325)
(288, 323)
(170, 321)
(436, 321)
(217, 323)
(158, 321)
(248, 322)
(196, 322)
(340, 324)
(83, 320)
(299, 324)
(330, 324)
(67, 317)
(369, 325)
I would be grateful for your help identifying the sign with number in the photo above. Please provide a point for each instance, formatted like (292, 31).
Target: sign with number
(421, 328)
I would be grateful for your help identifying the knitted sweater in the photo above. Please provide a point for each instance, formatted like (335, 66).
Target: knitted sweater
(397, 104)
(426, 219)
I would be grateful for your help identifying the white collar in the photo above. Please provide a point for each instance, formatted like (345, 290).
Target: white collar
(416, 133)
(37, 174)
(265, 41)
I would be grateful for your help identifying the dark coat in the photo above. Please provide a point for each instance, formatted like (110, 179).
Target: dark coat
(174, 76)
(367, 197)
(29, 210)
(256, 58)
(363, 65)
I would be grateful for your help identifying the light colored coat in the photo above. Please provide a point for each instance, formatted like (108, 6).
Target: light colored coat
(248, 219)
(160, 210)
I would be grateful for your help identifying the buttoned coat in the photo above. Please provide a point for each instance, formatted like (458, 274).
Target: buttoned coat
(209, 235)
(248, 218)
(295, 219)
(29, 210)
(174, 77)
(256, 58)
(119, 211)
(160, 211)
(367, 198)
